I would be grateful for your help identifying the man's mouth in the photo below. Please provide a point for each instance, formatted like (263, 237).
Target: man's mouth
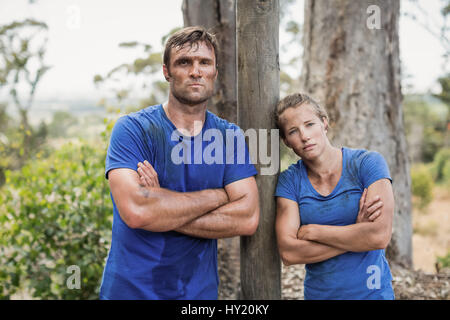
(308, 147)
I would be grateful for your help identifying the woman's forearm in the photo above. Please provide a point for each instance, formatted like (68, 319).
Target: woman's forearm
(305, 251)
(356, 237)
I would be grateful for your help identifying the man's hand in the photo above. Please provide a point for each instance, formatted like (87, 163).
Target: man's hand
(369, 210)
(147, 175)
(306, 232)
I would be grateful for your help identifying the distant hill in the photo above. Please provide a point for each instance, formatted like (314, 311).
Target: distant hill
(44, 109)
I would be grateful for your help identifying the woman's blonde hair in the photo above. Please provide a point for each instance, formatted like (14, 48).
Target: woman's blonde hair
(296, 100)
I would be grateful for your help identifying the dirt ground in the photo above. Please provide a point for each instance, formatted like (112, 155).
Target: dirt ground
(431, 231)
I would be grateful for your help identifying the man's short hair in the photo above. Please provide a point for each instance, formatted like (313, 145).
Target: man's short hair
(294, 101)
(191, 36)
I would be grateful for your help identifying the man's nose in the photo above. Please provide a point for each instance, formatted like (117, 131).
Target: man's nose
(195, 71)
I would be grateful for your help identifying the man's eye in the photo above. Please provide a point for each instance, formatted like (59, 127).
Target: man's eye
(310, 124)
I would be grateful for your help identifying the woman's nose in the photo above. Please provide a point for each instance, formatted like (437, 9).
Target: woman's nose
(304, 134)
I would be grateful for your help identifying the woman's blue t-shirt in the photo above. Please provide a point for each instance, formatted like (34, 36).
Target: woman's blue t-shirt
(169, 265)
(351, 275)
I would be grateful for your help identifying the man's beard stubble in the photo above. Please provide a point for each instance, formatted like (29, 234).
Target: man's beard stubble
(188, 101)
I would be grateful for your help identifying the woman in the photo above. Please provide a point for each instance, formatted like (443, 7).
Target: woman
(334, 209)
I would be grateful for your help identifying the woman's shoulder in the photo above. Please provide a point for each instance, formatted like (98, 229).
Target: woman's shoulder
(366, 164)
(294, 168)
(360, 155)
(289, 182)
(292, 173)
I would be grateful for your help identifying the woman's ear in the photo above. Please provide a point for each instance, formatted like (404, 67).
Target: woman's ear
(325, 124)
(286, 142)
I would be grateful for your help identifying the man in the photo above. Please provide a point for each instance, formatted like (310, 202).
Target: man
(167, 214)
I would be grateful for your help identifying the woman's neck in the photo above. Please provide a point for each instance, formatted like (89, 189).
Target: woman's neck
(325, 165)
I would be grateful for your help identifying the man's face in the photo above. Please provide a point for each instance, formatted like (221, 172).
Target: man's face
(191, 73)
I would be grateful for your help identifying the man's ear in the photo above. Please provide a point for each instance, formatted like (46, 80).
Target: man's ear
(166, 72)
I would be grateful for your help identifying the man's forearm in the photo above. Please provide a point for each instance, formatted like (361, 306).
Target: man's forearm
(232, 219)
(164, 210)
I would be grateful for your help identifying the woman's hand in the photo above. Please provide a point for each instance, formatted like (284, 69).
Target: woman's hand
(147, 175)
(369, 210)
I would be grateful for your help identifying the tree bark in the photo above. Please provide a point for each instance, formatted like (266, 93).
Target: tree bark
(258, 92)
(354, 71)
(219, 17)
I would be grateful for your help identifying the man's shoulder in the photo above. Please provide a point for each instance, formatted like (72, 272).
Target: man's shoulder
(132, 119)
(220, 123)
(146, 113)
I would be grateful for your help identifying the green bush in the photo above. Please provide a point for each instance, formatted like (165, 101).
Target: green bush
(425, 122)
(55, 213)
(441, 166)
(422, 185)
(446, 173)
(444, 262)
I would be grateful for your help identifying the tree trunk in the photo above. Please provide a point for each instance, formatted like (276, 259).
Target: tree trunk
(258, 92)
(354, 71)
(219, 16)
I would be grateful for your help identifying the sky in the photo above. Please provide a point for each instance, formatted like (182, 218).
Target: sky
(84, 37)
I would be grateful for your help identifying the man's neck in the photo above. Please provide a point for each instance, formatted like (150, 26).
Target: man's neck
(187, 119)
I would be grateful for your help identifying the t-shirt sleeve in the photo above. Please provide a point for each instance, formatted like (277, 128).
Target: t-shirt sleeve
(126, 148)
(239, 166)
(285, 186)
(373, 167)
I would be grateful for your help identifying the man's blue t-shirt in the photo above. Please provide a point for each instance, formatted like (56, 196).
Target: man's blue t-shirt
(169, 265)
(352, 275)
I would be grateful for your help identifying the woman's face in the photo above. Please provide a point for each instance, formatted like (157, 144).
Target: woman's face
(304, 131)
